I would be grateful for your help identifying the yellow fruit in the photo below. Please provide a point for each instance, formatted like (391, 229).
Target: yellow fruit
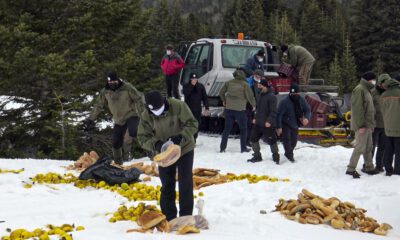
(80, 228)
(101, 184)
(125, 186)
(27, 185)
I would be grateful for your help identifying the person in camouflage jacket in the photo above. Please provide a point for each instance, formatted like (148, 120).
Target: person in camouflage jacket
(164, 120)
(390, 106)
(125, 104)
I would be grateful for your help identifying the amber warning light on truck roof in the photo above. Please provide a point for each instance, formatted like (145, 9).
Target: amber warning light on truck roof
(241, 36)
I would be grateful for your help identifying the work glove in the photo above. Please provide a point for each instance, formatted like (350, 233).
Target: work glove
(88, 125)
(177, 139)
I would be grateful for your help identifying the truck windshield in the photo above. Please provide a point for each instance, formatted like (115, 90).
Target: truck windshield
(234, 56)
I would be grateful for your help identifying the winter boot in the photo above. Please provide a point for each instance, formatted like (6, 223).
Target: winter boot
(117, 155)
(127, 152)
(275, 153)
(256, 158)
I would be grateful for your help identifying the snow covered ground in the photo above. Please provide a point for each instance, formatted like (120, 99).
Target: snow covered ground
(232, 209)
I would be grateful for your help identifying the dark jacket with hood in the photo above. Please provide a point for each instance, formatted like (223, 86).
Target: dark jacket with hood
(252, 64)
(194, 95)
(236, 93)
(124, 102)
(390, 104)
(177, 119)
(266, 108)
(376, 95)
(362, 106)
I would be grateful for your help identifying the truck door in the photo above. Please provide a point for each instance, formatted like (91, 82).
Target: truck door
(198, 60)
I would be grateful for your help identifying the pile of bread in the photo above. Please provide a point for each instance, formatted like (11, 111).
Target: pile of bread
(151, 221)
(85, 160)
(313, 209)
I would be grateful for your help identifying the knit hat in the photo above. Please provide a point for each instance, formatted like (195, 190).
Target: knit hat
(261, 53)
(154, 100)
(169, 47)
(112, 76)
(259, 72)
(265, 83)
(284, 48)
(369, 76)
(193, 75)
(294, 88)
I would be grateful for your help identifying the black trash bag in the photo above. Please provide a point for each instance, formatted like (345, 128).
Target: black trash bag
(102, 170)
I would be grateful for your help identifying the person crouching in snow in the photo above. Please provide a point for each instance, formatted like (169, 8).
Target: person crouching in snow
(170, 119)
(264, 123)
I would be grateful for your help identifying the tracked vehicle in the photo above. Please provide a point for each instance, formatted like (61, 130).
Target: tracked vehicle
(215, 60)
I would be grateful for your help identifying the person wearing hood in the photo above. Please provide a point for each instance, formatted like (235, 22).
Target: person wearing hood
(301, 59)
(125, 104)
(264, 122)
(234, 95)
(170, 120)
(255, 62)
(378, 136)
(390, 105)
(293, 112)
(363, 124)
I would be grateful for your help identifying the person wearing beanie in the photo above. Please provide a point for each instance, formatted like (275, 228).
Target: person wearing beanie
(390, 106)
(171, 64)
(125, 104)
(264, 123)
(170, 120)
(293, 112)
(234, 95)
(255, 62)
(363, 124)
(195, 93)
(252, 81)
(301, 59)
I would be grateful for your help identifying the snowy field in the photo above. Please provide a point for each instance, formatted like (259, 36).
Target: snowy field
(232, 209)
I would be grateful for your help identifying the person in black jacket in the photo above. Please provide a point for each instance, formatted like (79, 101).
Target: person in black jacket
(264, 123)
(293, 112)
(195, 93)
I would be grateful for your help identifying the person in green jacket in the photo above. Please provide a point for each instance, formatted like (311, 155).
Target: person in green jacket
(164, 120)
(300, 58)
(362, 123)
(125, 104)
(378, 136)
(234, 95)
(390, 104)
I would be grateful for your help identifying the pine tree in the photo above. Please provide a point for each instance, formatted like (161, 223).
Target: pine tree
(282, 30)
(335, 73)
(376, 35)
(349, 68)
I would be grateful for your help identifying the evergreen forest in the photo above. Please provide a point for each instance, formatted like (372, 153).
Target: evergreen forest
(55, 55)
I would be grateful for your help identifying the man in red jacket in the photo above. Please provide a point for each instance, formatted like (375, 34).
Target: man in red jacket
(171, 65)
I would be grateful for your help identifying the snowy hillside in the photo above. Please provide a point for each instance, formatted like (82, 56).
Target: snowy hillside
(232, 209)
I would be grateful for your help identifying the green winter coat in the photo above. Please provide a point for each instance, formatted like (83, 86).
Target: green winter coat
(376, 95)
(298, 56)
(236, 93)
(362, 106)
(177, 119)
(123, 103)
(390, 105)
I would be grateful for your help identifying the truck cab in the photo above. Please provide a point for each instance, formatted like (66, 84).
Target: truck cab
(215, 60)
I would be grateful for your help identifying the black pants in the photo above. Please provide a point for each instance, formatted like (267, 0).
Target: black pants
(197, 115)
(167, 176)
(172, 82)
(268, 133)
(378, 140)
(392, 147)
(289, 138)
(250, 116)
(119, 131)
